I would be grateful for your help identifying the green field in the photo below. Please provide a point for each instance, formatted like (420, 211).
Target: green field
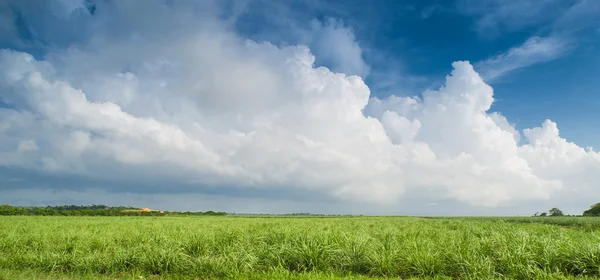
(37, 247)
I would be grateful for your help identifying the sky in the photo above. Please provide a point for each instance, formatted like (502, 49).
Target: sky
(466, 107)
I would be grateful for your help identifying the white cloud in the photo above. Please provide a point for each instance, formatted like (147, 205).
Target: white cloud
(581, 15)
(511, 15)
(336, 44)
(27, 145)
(494, 16)
(562, 21)
(64, 8)
(202, 107)
(534, 50)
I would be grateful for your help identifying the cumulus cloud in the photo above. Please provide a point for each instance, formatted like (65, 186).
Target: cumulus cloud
(338, 47)
(331, 39)
(204, 108)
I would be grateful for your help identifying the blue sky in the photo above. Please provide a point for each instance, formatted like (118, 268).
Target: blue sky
(214, 98)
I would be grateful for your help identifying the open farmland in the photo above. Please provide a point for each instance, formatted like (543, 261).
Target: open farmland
(299, 247)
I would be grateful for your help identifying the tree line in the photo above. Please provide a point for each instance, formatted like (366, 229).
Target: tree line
(92, 210)
(593, 211)
(555, 212)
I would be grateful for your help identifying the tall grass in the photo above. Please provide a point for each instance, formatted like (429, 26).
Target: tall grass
(237, 247)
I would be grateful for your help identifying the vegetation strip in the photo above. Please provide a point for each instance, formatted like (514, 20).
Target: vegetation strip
(93, 210)
(242, 248)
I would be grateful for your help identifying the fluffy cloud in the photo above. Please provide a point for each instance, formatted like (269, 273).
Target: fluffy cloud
(203, 108)
(336, 44)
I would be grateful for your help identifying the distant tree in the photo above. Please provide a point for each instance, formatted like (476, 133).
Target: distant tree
(593, 211)
(543, 214)
(536, 214)
(555, 212)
